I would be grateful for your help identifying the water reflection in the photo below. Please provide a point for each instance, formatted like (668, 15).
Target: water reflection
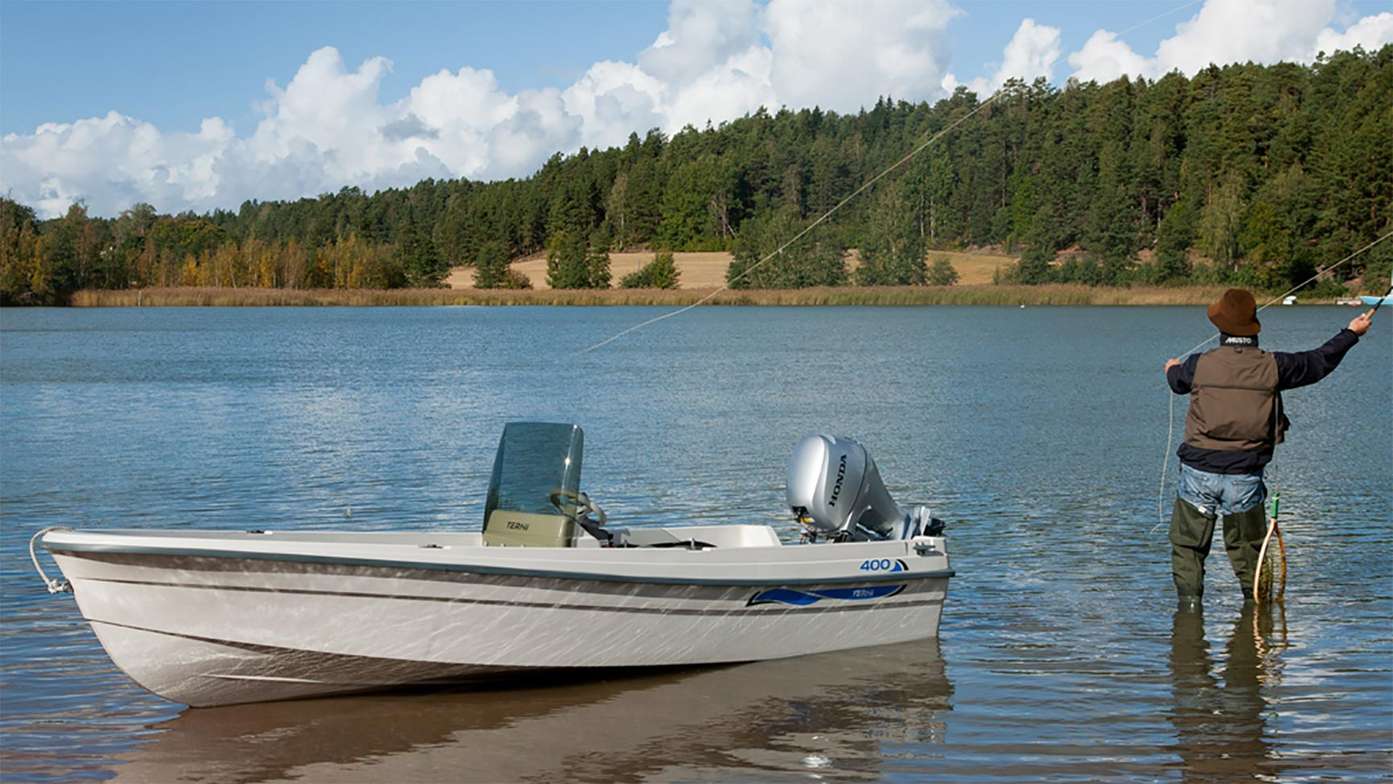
(834, 714)
(1220, 716)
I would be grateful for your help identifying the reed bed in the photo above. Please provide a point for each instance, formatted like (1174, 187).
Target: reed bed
(1055, 294)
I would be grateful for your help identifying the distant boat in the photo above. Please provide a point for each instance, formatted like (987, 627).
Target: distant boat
(1290, 299)
(1372, 301)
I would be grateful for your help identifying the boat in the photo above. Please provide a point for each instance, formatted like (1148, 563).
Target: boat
(1372, 301)
(222, 617)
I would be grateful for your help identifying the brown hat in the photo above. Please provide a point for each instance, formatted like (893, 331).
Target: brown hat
(1236, 313)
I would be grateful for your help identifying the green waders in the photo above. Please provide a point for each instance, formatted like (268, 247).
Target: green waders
(1243, 535)
(1191, 533)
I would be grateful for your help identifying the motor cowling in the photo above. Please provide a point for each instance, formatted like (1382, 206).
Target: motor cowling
(835, 487)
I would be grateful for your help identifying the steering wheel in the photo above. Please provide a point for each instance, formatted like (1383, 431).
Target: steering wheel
(577, 507)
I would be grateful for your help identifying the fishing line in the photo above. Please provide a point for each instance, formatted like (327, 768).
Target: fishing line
(1170, 428)
(849, 197)
(778, 251)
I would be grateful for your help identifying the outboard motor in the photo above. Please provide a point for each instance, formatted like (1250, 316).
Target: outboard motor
(835, 488)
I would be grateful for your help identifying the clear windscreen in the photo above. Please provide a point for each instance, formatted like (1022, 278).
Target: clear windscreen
(534, 460)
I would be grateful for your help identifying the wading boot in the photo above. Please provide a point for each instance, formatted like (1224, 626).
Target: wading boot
(1190, 534)
(1243, 535)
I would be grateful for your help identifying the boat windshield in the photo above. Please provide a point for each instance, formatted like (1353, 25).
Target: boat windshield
(534, 460)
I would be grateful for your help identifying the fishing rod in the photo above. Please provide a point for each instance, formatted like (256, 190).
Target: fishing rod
(1270, 574)
(1384, 298)
(1170, 397)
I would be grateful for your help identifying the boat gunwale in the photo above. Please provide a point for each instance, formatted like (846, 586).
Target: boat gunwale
(78, 549)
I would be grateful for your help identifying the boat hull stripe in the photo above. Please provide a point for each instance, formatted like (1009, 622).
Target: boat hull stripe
(186, 552)
(745, 609)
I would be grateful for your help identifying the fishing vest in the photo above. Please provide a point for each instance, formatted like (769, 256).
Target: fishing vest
(1234, 404)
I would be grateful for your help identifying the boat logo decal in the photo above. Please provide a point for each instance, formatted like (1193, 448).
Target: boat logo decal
(804, 598)
(884, 565)
(837, 486)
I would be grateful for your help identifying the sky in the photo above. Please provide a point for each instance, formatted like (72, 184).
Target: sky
(196, 106)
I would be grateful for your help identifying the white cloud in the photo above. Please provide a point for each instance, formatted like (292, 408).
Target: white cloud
(1371, 32)
(613, 100)
(737, 87)
(1031, 53)
(1104, 58)
(329, 127)
(111, 160)
(843, 55)
(701, 35)
(1233, 31)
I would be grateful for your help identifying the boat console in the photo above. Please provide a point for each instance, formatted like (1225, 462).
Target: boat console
(534, 498)
(535, 488)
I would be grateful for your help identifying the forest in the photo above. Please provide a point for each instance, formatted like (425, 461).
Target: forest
(1244, 174)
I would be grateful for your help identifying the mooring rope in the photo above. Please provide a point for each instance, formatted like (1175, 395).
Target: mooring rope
(1170, 396)
(54, 584)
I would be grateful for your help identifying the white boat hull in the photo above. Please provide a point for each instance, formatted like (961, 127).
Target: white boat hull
(216, 619)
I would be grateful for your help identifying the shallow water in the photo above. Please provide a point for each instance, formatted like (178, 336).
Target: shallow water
(1036, 433)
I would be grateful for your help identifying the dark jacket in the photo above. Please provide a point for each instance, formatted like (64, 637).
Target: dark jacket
(1235, 418)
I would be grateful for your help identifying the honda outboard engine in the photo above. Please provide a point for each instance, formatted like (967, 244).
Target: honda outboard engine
(834, 488)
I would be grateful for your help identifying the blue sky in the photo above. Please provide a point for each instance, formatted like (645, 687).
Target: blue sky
(197, 105)
(174, 63)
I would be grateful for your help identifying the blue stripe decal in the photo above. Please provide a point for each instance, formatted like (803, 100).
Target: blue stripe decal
(805, 598)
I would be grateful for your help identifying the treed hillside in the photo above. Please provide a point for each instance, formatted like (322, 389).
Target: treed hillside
(1247, 174)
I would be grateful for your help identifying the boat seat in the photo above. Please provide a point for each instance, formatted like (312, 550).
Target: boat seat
(506, 528)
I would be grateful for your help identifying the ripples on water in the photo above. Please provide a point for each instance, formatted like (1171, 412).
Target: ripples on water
(1037, 433)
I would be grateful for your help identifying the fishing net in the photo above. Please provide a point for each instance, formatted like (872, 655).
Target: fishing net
(1270, 580)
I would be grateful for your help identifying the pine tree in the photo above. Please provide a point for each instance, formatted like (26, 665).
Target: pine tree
(942, 272)
(566, 262)
(816, 259)
(892, 251)
(491, 266)
(660, 273)
(1174, 236)
(597, 261)
(419, 257)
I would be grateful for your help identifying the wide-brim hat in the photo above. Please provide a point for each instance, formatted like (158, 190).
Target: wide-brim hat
(1236, 313)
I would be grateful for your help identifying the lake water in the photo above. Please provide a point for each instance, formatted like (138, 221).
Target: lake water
(1037, 433)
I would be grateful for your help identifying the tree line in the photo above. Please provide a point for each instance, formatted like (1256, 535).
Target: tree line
(1243, 174)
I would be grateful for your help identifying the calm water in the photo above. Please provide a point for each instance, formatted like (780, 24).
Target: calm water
(1037, 433)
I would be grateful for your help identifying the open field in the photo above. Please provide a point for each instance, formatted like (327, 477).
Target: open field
(708, 270)
(1056, 294)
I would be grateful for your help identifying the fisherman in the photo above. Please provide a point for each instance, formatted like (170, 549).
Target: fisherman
(1234, 423)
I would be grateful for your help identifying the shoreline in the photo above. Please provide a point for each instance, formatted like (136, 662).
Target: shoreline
(887, 296)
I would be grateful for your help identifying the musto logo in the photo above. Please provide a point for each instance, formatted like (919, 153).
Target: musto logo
(797, 598)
